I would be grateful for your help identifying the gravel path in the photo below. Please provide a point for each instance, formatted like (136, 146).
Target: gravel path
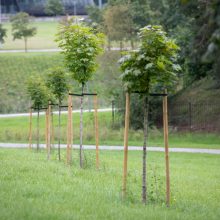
(120, 148)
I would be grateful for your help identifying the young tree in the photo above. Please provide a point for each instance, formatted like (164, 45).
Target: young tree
(154, 64)
(39, 95)
(80, 45)
(2, 34)
(54, 7)
(21, 27)
(57, 83)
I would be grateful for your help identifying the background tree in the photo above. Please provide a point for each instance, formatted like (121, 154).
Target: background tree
(121, 19)
(21, 27)
(80, 45)
(54, 7)
(118, 23)
(39, 95)
(57, 83)
(3, 34)
(95, 14)
(152, 66)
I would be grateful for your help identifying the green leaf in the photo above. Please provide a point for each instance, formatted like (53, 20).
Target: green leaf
(148, 66)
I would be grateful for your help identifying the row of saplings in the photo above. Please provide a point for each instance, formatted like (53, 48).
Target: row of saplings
(150, 70)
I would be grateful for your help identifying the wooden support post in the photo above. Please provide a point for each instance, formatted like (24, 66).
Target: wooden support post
(52, 128)
(46, 130)
(30, 130)
(69, 131)
(38, 129)
(165, 124)
(49, 131)
(96, 130)
(127, 116)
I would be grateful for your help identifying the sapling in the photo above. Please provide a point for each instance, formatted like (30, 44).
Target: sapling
(80, 46)
(154, 64)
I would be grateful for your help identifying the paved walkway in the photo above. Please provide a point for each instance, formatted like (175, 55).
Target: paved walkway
(120, 148)
(54, 112)
(49, 50)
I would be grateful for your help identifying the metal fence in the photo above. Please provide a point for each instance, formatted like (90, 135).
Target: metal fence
(185, 116)
(195, 116)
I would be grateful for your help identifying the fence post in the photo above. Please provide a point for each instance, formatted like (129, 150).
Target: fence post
(190, 116)
(113, 112)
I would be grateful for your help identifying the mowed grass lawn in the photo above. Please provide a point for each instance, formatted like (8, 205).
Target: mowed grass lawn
(33, 188)
(16, 130)
(44, 39)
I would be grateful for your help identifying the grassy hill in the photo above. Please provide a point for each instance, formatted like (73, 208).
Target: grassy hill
(17, 68)
(201, 91)
(197, 107)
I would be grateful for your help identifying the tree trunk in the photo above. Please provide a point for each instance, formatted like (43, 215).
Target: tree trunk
(132, 44)
(109, 45)
(144, 175)
(81, 130)
(25, 44)
(38, 136)
(121, 46)
(59, 131)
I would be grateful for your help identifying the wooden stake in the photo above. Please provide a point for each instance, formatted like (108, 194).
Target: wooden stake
(96, 130)
(69, 130)
(30, 130)
(49, 132)
(52, 128)
(46, 129)
(165, 124)
(127, 116)
(38, 129)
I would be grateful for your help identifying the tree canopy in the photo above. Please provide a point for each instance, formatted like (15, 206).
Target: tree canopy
(57, 83)
(81, 45)
(38, 92)
(118, 23)
(54, 7)
(153, 64)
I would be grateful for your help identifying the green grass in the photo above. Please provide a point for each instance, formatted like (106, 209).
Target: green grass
(10, 131)
(17, 68)
(15, 71)
(44, 39)
(33, 188)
